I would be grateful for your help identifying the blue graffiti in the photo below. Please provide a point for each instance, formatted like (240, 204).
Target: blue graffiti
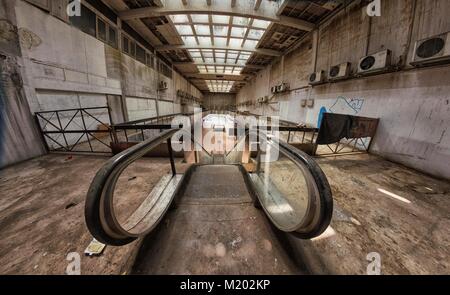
(323, 110)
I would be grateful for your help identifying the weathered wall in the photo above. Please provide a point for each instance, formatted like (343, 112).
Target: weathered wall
(219, 101)
(51, 65)
(413, 104)
(60, 57)
(19, 139)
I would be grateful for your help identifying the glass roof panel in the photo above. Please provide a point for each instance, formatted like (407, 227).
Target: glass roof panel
(242, 21)
(235, 42)
(202, 30)
(242, 33)
(220, 30)
(205, 41)
(184, 30)
(257, 23)
(219, 85)
(238, 32)
(179, 18)
(250, 43)
(200, 18)
(221, 19)
(255, 34)
(189, 41)
(218, 41)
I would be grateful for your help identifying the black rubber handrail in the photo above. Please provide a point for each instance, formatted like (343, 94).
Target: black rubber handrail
(99, 211)
(320, 210)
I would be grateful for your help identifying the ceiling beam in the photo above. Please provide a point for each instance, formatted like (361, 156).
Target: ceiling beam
(250, 66)
(267, 11)
(257, 4)
(282, 7)
(158, 3)
(235, 48)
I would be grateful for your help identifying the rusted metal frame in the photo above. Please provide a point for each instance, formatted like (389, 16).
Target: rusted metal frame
(172, 160)
(109, 127)
(56, 142)
(86, 133)
(70, 121)
(61, 128)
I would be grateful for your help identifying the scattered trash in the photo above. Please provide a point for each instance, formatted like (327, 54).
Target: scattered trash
(70, 205)
(132, 178)
(68, 158)
(95, 248)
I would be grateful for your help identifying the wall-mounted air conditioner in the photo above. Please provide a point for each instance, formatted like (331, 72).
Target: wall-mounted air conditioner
(303, 103)
(163, 85)
(339, 72)
(378, 62)
(283, 87)
(317, 78)
(273, 89)
(433, 50)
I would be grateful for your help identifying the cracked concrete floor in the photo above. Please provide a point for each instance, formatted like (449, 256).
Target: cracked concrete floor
(380, 207)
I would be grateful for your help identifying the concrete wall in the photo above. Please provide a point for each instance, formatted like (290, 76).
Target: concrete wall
(413, 104)
(219, 101)
(19, 139)
(62, 67)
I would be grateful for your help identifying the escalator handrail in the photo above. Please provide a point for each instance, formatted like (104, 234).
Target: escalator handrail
(99, 211)
(319, 216)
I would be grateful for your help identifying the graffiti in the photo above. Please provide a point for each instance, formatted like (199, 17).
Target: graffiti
(343, 105)
(323, 110)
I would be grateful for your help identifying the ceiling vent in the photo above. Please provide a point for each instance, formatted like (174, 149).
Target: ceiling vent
(375, 63)
(339, 72)
(277, 36)
(434, 50)
(317, 78)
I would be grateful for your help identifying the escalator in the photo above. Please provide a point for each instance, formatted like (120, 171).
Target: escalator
(226, 218)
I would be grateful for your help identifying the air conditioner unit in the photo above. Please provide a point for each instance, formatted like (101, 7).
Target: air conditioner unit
(339, 72)
(375, 63)
(163, 85)
(283, 87)
(303, 103)
(433, 50)
(273, 89)
(317, 78)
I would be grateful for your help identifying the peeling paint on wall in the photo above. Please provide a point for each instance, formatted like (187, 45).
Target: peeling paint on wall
(28, 39)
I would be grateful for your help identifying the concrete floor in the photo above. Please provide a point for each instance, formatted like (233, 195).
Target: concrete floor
(380, 207)
(215, 230)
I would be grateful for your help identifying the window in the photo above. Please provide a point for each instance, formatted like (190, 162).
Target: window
(87, 22)
(101, 30)
(133, 48)
(125, 45)
(112, 37)
(140, 54)
(150, 60)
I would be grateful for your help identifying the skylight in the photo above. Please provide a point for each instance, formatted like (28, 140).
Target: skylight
(236, 37)
(219, 85)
